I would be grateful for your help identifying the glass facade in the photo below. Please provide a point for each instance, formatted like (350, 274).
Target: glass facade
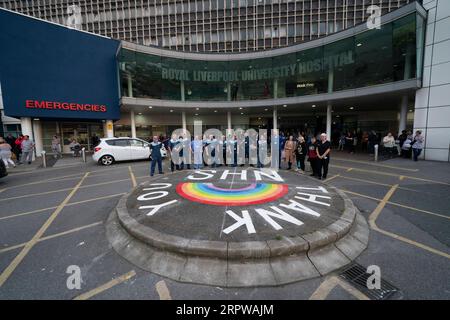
(207, 25)
(377, 56)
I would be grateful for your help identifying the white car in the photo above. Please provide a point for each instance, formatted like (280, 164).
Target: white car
(110, 150)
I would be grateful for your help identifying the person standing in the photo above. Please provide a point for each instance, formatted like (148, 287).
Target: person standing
(18, 148)
(323, 153)
(174, 149)
(417, 145)
(95, 140)
(5, 153)
(10, 140)
(155, 151)
(197, 148)
(300, 154)
(389, 144)
(349, 142)
(289, 151)
(27, 146)
(56, 147)
(312, 156)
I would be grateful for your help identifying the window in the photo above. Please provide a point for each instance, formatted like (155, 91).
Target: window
(119, 142)
(136, 143)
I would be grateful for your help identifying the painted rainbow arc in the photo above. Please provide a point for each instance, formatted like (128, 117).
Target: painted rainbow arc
(255, 193)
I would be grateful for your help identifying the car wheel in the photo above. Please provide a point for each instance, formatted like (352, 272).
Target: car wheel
(106, 160)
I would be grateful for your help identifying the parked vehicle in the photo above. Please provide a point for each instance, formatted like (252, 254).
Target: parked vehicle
(110, 150)
(3, 172)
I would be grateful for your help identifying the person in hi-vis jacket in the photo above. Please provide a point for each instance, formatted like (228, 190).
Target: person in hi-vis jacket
(155, 151)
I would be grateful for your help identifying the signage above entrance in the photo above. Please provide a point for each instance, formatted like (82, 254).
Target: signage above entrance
(36, 104)
(50, 71)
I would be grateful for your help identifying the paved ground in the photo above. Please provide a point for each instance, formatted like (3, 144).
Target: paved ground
(53, 218)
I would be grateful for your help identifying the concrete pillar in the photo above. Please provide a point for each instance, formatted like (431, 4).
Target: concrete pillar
(27, 128)
(182, 91)
(403, 114)
(183, 120)
(228, 91)
(26, 125)
(228, 120)
(330, 80)
(275, 118)
(109, 129)
(329, 107)
(275, 88)
(38, 141)
(130, 86)
(133, 124)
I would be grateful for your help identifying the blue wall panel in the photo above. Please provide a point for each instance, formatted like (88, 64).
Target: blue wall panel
(56, 71)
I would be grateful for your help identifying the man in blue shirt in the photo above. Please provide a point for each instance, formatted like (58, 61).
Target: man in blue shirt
(155, 150)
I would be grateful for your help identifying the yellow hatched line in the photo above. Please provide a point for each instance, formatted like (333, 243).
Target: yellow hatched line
(68, 205)
(163, 291)
(106, 286)
(133, 178)
(376, 213)
(398, 204)
(53, 236)
(66, 189)
(322, 292)
(391, 175)
(30, 244)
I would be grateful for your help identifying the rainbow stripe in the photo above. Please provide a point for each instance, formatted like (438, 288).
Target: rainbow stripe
(255, 193)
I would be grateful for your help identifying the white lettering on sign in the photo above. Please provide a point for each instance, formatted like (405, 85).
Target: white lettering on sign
(204, 174)
(279, 214)
(155, 208)
(245, 220)
(272, 174)
(225, 174)
(294, 205)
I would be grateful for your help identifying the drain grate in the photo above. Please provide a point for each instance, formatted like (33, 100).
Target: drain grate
(356, 274)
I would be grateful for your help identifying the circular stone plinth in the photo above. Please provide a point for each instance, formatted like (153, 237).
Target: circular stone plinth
(237, 227)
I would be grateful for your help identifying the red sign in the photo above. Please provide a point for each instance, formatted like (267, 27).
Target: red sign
(35, 104)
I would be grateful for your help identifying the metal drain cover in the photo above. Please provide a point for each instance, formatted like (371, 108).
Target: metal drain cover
(357, 276)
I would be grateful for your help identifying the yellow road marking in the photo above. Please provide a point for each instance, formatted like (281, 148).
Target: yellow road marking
(106, 286)
(53, 236)
(331, 178)
(30, 244)
(376, 213)
(163, 291)
(1, 190)
(391, 174)
(67, 205)
(133, 178)
(66, 189)
(397, 204)
(322, 292)
(368, 181)
(349, 169)
(376, 164)
(401, 178)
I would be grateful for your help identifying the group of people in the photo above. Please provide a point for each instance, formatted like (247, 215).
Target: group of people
(406, 144)
(293, 151)
(21, 147)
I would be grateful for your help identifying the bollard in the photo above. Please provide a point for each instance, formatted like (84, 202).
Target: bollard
(44, 159)
(376, 152)
(83, 154)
